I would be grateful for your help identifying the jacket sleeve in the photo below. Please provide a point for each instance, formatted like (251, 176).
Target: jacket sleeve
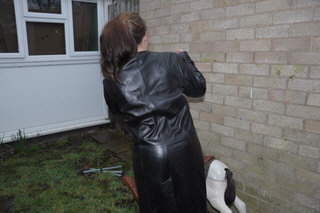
(112, 106)
(194, 84)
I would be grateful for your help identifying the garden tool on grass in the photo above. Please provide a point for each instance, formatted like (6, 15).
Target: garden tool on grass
(103, 170)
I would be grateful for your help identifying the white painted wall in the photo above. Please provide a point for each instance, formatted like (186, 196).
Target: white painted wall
(50, 97)
(46, 94)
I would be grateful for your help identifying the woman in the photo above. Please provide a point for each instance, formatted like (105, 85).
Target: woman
(148, 88)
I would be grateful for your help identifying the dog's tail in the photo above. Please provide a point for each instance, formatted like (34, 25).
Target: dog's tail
(230, 193)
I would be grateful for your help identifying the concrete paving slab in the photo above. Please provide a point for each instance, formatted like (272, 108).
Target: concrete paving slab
(114, 141)
(126, 156)
(107, 136)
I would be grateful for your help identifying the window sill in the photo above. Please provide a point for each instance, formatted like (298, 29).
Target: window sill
(48, 61)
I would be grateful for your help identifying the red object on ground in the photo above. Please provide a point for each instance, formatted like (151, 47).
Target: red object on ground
(128, 182)
(206, 158)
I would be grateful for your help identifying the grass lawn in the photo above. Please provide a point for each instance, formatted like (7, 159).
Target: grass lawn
(44, 178)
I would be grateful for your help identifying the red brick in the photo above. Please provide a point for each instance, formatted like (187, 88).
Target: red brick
(194, 16)
(288, 96)
(239, 57)
(316, 44)
(243, 80)
(240, 34)
(256, 20)
(272, 5)
(304, 85)
(304, 29)
(314, 100)
(234, 144)
(225, 68)
(238, 102)
(153, 23)
(213, 98)
(213, 14)
(153, 5)
(315, 72)
(172, 19)
(212, 117)
(270, 82)
(291, 44)
(161, 12)
(180, 28)
(303, 111)
(202, 47)
(226, 46)
(305, 57)
(271, 57)
(224, 110)
(243, 9)
(236, 123)
(224, 3)
(200, 26)
(269, 106)
(255, 45)
(306, 3)
(289, 70)
(147, 14)
(224, 89)
(180, 8)
(313, 126)
(279, 31)
(212, 36)
(254, 69)
(294, 16)
(204, 67)
(226, 24)
(162, 30)
(201, 5)
(317, 14)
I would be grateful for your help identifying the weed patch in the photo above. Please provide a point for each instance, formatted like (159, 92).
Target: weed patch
(45, 178)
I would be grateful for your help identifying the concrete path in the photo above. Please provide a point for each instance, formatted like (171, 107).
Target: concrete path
(116, 142)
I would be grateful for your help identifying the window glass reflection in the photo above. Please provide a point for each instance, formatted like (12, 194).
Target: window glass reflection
(45, 38)
(44, 6)
(85, 26)
(8, 28)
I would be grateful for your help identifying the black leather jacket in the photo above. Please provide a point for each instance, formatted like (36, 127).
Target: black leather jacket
(167, 157)
(153, 86)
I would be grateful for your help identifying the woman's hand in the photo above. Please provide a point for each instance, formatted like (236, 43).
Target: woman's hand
(179, 51)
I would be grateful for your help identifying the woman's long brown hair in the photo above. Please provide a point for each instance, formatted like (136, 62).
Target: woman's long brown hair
(119, 42)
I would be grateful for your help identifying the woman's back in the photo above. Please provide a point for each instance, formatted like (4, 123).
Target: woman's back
(151, 83)
(151, 95)
(149, 88)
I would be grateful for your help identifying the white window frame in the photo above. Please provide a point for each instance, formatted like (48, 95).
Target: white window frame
(62, 15)
(106, 4)
(45, 57)
(21, 52)
(23, 16)
(45, 18)
(100, 23)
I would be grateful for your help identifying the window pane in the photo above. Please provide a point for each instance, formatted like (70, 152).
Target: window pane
(85, 26)
(44, 6)
(8, 29)
(45, 38)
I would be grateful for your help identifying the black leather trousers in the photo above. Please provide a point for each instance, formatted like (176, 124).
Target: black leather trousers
(170, 177)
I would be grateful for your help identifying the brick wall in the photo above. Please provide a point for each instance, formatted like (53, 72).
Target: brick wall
(261, 111)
